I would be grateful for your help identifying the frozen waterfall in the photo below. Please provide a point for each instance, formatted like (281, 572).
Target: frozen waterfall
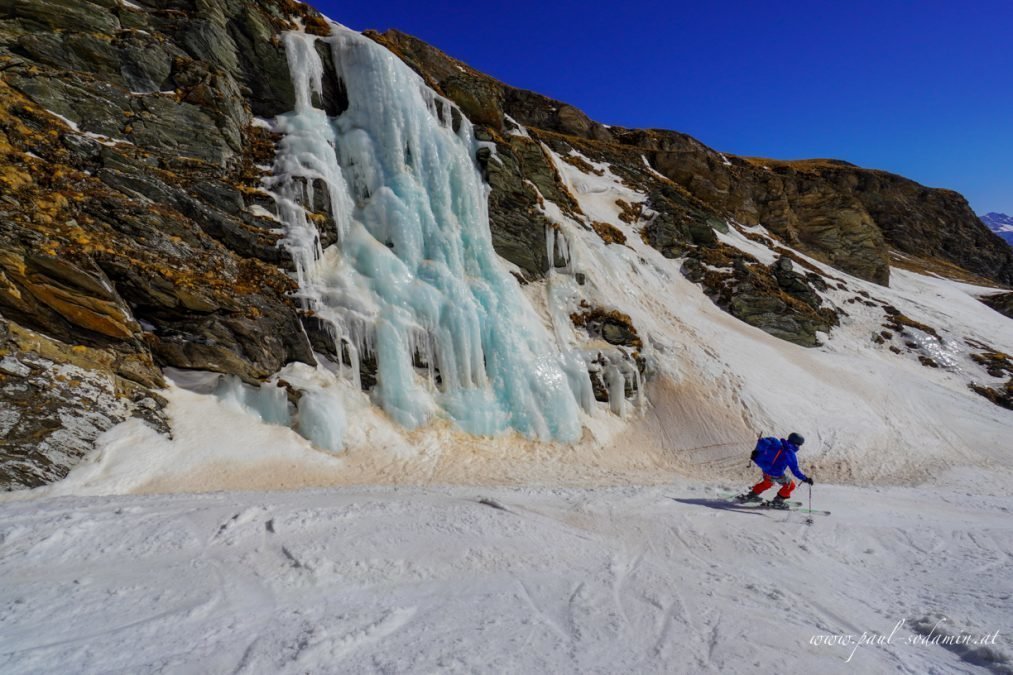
(413, 281)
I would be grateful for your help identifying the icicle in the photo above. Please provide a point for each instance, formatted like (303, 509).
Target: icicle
(564, 251)
(579, 380)
(338, 348)
(430, 361)
(639, 387)
(615, 382)
(308, 195)
(308, 71)
(550, 247)
(353, 360)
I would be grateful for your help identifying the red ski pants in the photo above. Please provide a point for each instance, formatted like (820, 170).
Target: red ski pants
(787, 485)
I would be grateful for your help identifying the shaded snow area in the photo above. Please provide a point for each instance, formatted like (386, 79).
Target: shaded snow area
(463, 580)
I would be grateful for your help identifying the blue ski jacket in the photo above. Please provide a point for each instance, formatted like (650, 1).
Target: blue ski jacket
(774, 455)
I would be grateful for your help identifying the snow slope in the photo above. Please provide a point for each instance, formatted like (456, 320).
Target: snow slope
(409, 580)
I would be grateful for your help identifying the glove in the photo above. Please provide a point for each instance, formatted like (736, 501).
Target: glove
(752, 456)
(808, 481)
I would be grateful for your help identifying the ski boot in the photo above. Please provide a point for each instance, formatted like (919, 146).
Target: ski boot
(748, 497)
(778, 502)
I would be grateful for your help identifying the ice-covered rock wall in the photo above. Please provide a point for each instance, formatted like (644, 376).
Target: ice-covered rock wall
(413, 281)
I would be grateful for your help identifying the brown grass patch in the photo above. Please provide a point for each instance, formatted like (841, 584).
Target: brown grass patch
(610, 234)
(995, 363)
(629, 213)
(1001, 396)
(580, 163)
(313, 22)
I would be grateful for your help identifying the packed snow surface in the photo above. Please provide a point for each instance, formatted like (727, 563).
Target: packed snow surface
(663, 579)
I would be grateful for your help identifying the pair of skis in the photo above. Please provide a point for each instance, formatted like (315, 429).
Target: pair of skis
(767, 504)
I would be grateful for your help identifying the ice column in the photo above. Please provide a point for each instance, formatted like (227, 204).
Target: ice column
(413, 280)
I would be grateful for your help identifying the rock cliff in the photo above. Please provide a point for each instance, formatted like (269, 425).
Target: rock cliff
(131, 238)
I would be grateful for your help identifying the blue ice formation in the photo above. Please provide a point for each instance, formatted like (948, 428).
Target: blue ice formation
(413, 280)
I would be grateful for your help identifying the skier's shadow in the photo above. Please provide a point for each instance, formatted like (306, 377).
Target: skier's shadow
(720, 505)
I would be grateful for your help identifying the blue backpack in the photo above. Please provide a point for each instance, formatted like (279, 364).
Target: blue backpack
(765, 451)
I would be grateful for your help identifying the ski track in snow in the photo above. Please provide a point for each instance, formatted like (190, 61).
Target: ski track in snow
(552, 580)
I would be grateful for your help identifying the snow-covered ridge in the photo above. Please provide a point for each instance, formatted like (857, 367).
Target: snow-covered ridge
(1001, 224)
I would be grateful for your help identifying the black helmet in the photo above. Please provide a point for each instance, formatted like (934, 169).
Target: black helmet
(795, 439)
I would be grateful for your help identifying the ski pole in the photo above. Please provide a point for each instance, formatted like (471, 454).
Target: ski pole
(809, 519)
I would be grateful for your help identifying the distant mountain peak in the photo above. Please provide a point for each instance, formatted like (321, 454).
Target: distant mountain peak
(996, 216)
(1001, 224)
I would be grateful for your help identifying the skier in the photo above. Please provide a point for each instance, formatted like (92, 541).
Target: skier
(773, 456)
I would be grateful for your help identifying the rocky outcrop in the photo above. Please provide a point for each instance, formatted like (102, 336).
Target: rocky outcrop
(776, 298)
(520, 177)
(997, 365)
(129, 186)
(835, 211)
(1000, 302)
(57, 398)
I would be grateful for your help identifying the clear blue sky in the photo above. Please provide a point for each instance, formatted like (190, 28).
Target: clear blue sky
(923, 88)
